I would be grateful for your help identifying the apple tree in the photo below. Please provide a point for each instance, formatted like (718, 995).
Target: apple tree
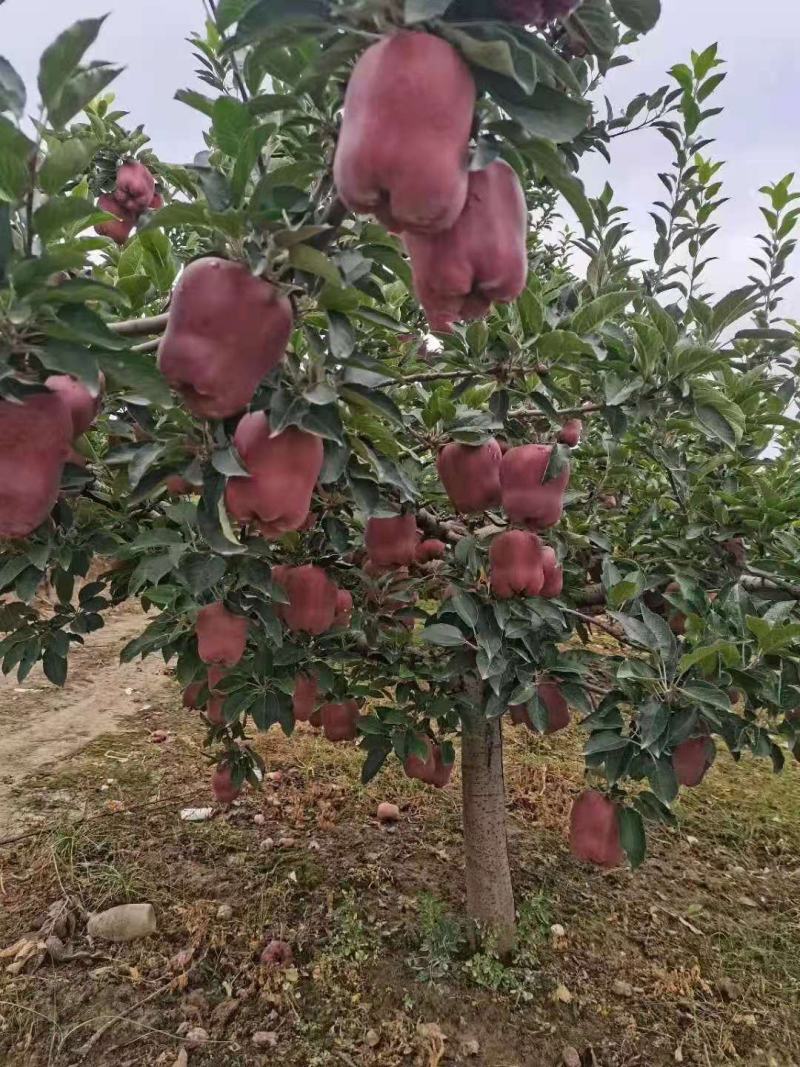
(408, 440)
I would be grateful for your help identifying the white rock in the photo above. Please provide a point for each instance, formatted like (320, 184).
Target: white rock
(259, 819)
(570, 1057)
(124, 923)
(264, 1039)
(266, 843)
(224, 912)
(622, 989)
(196, 814)
(196, 1037)
(557, 930)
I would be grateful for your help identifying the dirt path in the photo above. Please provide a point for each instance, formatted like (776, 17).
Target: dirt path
(40, 724)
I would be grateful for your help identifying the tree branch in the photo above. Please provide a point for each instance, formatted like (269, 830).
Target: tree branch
(140, 327)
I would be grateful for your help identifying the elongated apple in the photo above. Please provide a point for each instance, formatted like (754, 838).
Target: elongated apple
(516, 564)
(526, 496)
(35, 443)
(392, 542)
(312, 597)
(283, 470)
(692, 760)
(432, 770)
(120, 227)
(227, 330)
(304, 700)
(135, 187)
(403, 148)
(482, 259)
(470, 475)
(553, 574)
(594, 830)
(339, 721)
(221, 635)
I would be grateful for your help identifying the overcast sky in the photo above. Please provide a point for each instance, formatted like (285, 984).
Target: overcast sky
(757, 136)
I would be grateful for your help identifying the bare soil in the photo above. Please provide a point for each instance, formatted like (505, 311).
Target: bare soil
(692, 959)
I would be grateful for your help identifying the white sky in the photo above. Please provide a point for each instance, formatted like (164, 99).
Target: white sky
(757, 135)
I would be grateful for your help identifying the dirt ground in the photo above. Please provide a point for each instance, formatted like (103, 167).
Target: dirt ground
(693, 959)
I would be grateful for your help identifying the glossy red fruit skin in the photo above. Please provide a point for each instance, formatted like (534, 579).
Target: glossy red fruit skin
(283, 469)
(119, 229)
(35, 443)
(191, 695)
(221, 635)
(344, 608)
(312, 598)
(403, 148)
(135, 187)
(429, 550)
(306, 691)
(339, 721)
(227, 330)
(392, 542)
(470, 475)
(82, 405)
(222, 784)
(692, 759)
(570, 433)
(432, 770)
(156, 203)
(553, 574)
(526, 497)
(216, 699)
(515, 564)
(594, 830)
(481, 259)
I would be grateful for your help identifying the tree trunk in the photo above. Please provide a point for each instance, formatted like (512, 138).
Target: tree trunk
(490, 896)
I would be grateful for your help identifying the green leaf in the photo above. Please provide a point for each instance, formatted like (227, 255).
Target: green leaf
(604, 741)
(198, 101)
(726, 649)
(592, 23)
(79, 91)
(81, 290)
(12, 89)
(66, 358)
(707, 694)
(691, 359)
(15, 151)
(632, 836)
(312, 261)
(159, 260)
(362, 397)
(64, 161)
(589, 316)
(376, 757)
(635, 630)
(62, 212)
(422, 10)
(264, 17)
(54, 666)
(552, 165)
(442, 634)
(230, 11)
(492, 48)
(719, 417)
(464, 605)
(546, 113)
(231, 121)
(201, 572)
(138, 373)
(61, 58)
(638, 15)
(662, 780)
(560, 343)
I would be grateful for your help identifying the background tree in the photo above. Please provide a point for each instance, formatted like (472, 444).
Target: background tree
(681, 513)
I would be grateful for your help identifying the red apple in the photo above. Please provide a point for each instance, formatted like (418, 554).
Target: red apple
(221, 635)
(527, 497)
(470, 475)
(594, 830)
(516, 564)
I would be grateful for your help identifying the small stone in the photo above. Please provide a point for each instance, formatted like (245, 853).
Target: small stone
(373, 1038)
(264, 1039)
(388, 813)
(127, 922)
(277, 954)
(286, 842)
(266, 843)
(196, 814)
(562, 995)
(557, 930)
(470, 1047)
(182, 1059)
(727, 988)
(158, 737)
(570, 1057)
(313, 846)
(275, 776)
(259, 819)
(196, 1037)
(622, 989)
(678, 1055)
(236, 859)
(224, 912)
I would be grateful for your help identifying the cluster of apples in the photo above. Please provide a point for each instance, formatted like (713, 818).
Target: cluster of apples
(477, 477)
(36, 437)
(403, 155)
(134, 193)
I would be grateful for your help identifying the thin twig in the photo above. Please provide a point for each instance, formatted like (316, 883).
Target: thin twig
(147, 346)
